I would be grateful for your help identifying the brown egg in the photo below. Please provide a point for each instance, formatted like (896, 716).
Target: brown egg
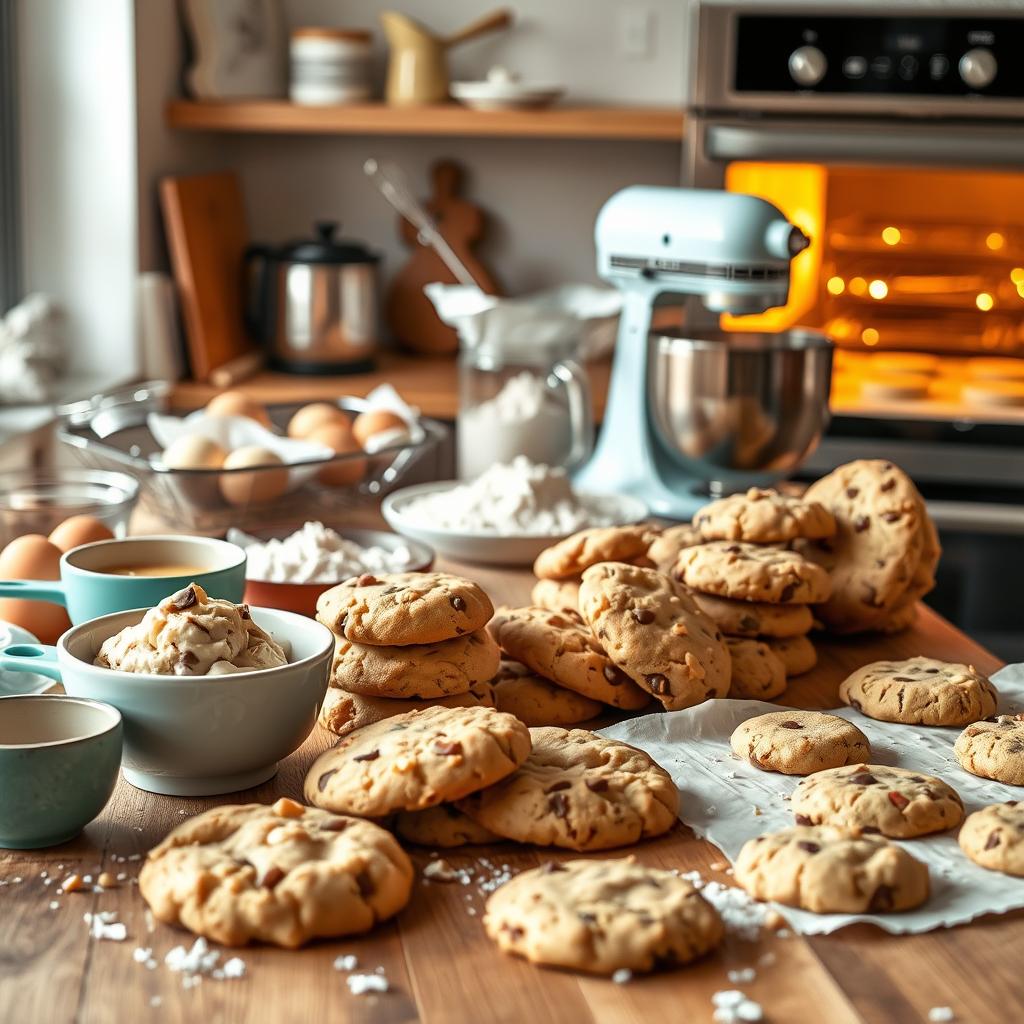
(237, 403)
(311, 417)
(256, 487)
(339, 438)
(191, 451)
(33, 557)
(369, 423)
(79, 530)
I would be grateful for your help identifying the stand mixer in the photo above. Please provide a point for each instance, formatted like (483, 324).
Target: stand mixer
(702, 412)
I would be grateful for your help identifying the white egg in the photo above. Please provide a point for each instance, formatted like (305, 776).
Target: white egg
(192, 451)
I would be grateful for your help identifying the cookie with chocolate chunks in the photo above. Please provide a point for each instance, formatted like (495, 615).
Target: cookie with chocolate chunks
(994, 749)
(799, 742)
(579, 791)
(994, 837)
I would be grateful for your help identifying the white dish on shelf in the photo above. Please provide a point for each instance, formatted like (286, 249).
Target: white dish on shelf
(502, 90)
(492, 548)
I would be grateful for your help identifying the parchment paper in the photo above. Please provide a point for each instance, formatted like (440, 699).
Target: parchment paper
(719, 795)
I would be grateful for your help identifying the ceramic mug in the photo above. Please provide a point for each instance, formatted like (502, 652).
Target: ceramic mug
(88, 589)
(197, 735)
(59, 758)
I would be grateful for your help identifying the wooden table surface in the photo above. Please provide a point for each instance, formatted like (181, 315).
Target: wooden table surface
(440, 965)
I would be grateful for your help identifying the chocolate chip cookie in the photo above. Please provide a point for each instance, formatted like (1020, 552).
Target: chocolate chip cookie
(536, 701)
(994, 749)
(757, 674)
(404, 608)
(559, 646)
(567, 559)
(343, 712)
(920, 691)
(556, 595)
(651, 628)
(755, 618)
(666, 547)
(877, 546)
(830, 871)
(416, 760)
(875, 798)
(415, 670)
(602, 916)
(284, 874)
(797, 654)
(994, 838)
(799, 742)
(764, 516)
(746, 572)
(444, 826)
(579, 791)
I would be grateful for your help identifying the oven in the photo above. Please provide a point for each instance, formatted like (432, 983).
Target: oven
(894, 137)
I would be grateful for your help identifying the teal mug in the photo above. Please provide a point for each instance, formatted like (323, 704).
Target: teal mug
(94, 578)
(59, 758)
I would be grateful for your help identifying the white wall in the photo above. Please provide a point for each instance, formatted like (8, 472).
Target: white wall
(78, 174)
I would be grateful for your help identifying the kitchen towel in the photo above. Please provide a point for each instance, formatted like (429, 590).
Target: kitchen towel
(727, 801)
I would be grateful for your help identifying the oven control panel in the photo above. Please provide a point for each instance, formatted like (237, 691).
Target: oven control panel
(885, 56)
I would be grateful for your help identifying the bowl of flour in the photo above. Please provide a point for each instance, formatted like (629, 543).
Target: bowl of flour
(506, 516)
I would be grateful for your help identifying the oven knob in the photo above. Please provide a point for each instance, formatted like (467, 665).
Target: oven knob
(978, 68)
(807, 65)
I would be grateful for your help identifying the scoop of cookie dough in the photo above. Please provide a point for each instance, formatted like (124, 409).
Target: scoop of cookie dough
(799, 742)
(994, 749)
(994, 837)
(404, 608)
(343, 712)
(580, 791)
(757, 674)
(601, 916)
(444, 826)
(747, 572)
(876, 798)
(764, 516)
(191, 634)
(413, 761)
(284, 874)
(831, 871)
(920, 691)
(651, 628)
(537, 701)
(559, 646)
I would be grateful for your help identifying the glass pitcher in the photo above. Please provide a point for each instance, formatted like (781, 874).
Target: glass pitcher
(535, 404)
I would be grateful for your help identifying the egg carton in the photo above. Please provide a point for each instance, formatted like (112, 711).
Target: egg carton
(193, 499)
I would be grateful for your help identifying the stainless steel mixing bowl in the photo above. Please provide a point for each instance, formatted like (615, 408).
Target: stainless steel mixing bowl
(737, 410)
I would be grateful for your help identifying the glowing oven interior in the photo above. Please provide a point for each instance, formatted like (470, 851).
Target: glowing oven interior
(917, 275)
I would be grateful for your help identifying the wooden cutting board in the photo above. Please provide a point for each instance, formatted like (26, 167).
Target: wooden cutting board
(409, 313)
(204, 219)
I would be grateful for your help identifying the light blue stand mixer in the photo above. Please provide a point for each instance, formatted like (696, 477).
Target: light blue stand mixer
(699, 412)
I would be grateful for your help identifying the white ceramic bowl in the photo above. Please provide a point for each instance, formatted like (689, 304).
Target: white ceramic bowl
(201, 735)
(494, 548)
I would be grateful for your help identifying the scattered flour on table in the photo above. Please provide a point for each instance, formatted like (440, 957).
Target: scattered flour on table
(941, 1014)
(200, 961)
(742, 915)
(362, 984)
(315, 554)
(733, 1007)
(519, 498)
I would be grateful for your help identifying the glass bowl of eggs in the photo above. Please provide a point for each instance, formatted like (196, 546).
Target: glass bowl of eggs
(239, 462)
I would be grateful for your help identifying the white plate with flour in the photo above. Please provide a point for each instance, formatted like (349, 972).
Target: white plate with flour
(492, 546)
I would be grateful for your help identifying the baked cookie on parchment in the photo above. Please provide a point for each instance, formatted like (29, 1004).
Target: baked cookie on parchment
(831, 871)
(994, 837)
(757, 674)
(994, 749)
(799, 742)
(920, 691)
(284, 874)
(602, 916)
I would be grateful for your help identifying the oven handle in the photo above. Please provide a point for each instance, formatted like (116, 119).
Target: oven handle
(892, 143)
(977, 517)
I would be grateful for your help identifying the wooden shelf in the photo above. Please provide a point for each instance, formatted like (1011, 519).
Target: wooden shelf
(640, 124)
(432, 385)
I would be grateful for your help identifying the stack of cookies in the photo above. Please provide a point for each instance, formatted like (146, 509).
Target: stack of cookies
(406, 641)
(758, 590)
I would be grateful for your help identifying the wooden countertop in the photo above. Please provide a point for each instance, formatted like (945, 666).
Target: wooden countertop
(430, 384)
(440, 965)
